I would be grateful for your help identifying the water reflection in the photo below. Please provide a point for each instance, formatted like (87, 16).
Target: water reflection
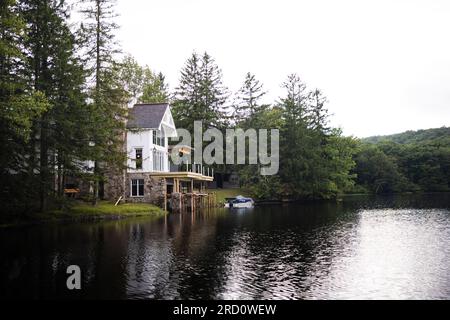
(371, 247)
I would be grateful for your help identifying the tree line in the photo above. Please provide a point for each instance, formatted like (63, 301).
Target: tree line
(316, 160)
(64, 92)
(408, 162)
(63, 96)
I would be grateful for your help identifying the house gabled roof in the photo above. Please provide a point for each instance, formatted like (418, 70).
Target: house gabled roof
(146, 116)
(152, 116)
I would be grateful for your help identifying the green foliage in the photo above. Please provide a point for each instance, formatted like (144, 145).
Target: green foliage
(107, 94)
(60, 101)
(106, 208)
(410, 161)
(248, 101)
(21, 111)
(200, 95)
(410, 137)
(155, 89)
(141, 84)
(315, 160)
(378, 172)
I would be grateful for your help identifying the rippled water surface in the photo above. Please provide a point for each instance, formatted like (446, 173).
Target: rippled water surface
(361, 248)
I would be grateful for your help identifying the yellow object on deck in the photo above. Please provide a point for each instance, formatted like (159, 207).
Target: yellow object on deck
(70, 191)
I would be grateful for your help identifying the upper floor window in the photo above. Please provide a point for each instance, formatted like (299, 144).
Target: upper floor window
(154, 136)
(158, 138)
(138, 158)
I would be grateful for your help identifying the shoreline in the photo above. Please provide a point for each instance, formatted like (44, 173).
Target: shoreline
(106, 211)
(83, 212)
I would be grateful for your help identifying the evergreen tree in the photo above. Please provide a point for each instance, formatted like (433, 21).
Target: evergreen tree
(187, 104)
(20, 108)
(70, 118)
(248, 103)
(295, 149)
(53, 70)
(318, 114)
(213, 93)
(155, 89)
(295, 103)
(109, 99)
(201, 94)
(315, 160)
(141, 84)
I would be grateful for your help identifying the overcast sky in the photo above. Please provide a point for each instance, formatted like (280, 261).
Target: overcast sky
(384, 65)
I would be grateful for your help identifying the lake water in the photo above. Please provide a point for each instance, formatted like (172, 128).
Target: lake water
(395, 247)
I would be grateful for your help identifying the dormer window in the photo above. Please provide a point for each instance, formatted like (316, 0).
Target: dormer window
(138, 158)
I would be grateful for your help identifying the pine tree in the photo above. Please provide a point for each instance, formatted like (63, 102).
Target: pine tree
(295, 142)
(248, 100)
(213, 93)
(295, 103)
(315, 159)
(20, 108)
(155, 89)
(318, 113)
(53, 70)
(109, 99)
(187, 104)
(70, 122)
(201, 94)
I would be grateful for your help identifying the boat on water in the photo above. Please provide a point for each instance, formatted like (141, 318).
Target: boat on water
(239, 202)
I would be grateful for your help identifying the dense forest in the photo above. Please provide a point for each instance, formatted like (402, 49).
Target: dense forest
(408, 161)
(65, 89)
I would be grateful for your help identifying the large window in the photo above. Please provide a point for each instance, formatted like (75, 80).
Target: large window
(137, 187)
(158, 161)
(138, 158)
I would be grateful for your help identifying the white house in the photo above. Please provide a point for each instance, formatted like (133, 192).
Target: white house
(148, 129)
(148, 177)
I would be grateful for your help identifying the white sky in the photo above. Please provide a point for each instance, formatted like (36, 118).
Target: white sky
(384, 64)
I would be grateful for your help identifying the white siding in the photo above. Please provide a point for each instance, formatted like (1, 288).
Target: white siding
(144, 140)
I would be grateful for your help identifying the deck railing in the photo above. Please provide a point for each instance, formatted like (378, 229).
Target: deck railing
(193, 167)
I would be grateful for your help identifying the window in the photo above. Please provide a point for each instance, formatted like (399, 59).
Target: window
(137, 187)
(158, 161)
(154, 136)
(138, 158)
(158, 138)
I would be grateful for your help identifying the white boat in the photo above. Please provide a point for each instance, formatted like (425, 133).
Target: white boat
(239, 202)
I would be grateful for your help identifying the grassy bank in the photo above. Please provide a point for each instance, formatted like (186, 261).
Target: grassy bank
(104, 209)
(81, 211)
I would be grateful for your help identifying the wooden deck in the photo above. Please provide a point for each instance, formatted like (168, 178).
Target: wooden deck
(183, 175)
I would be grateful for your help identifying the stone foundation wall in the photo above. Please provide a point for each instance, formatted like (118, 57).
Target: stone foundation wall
(154, 189)
(175, 202)
(114, 185)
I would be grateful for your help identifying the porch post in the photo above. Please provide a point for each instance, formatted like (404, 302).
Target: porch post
(192, 195)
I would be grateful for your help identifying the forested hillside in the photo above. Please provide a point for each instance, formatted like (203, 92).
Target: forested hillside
(408, 161)
(411, 136)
